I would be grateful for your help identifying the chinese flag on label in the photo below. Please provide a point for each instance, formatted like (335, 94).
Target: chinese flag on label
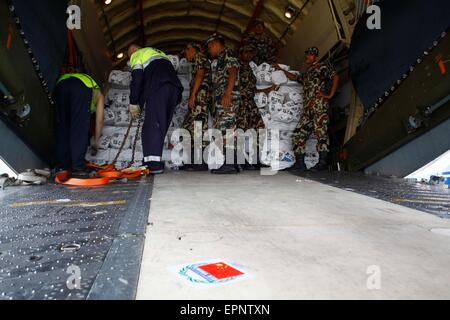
(221, 271)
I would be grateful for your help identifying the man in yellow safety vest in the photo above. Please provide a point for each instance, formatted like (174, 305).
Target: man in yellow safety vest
(155, 86)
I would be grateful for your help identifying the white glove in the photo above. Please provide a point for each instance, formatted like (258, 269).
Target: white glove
(135, 111)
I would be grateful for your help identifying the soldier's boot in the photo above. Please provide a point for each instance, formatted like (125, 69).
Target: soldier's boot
(247, 166)
(250, 167)
(194, 167)
(323, 163)
(299, 165)
(237, 165)
(226, 169)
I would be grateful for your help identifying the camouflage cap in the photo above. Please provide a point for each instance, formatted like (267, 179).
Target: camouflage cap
(215, 37)
(194, 45)
(313, 51)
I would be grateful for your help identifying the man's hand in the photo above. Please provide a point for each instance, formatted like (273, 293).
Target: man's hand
(274, 88)
(325, 96)
(289, 75)
(191, 103)
(226, 100)
(94, 147)
(276, 66)
(135, 111)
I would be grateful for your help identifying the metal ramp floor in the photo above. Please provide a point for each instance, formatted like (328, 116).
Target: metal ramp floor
(59, 242)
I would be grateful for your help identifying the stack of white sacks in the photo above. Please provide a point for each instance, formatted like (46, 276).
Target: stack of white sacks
(184, 70)
(117, 119)
(281, 111)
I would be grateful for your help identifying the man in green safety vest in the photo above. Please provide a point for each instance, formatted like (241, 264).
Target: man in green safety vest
(77, 96)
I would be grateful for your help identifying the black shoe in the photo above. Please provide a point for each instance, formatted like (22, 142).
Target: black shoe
(299, 165)
(194, 167)
(156, 167)
(81, 173)
(251, 167)
(323, 164)
(226, 169)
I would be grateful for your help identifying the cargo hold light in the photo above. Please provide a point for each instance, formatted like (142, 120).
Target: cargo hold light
(289, 13)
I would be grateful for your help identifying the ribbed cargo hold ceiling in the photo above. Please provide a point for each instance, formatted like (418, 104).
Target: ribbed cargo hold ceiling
(169, 24)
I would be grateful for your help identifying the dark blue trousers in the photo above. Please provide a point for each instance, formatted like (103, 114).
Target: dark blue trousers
(73, 100)
(159, 109)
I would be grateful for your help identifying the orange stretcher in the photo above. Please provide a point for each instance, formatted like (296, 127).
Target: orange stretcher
(105, 174)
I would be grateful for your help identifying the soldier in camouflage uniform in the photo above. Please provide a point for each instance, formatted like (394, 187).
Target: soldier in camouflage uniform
(225, 92)
(266, 46)
(200, 100)
(320, 83)
(248, 116)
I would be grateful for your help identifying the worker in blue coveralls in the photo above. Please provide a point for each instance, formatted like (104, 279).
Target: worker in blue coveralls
(155, 86)
(77, 97)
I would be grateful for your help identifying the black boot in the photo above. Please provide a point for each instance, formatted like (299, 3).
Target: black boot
(156, 167)
(251, 167)
(299, 165)
(194, 167)
(226, 169)
(323, 163)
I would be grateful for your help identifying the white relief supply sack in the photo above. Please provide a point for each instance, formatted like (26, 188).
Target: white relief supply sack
(279, 78)
(118, 96)
(175, 60)
(123, 118)
(104, 142)
(276, 97)
(261, 100)
(121, 78)
(254, 68)
(185, 67)
(101, 158)
(185, 81)
(283, 161)
(117, 139)
(119, 107)
(264, 78)
(296, 97)
(265, 67)
(311, 156)
(110, 117)
(275, 108)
